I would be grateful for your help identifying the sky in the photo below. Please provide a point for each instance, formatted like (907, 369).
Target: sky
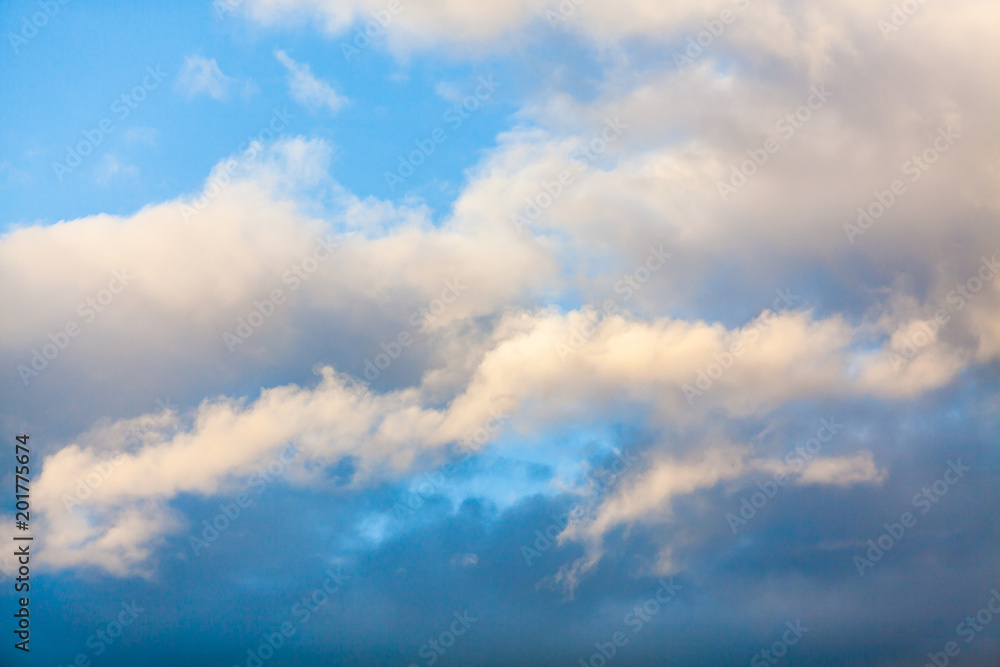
(383, 332)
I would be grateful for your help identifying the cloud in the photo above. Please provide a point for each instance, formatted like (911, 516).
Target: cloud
(644, 156)
(807, 38)
(843, 471)
(306, 89)
(626, 272)
(389, 434)
(111, 168)
(202, 75)
(648, 496)
(550, 367)
(142, 135)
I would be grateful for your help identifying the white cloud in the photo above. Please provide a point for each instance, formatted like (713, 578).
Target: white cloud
(202, 75)
(110, 168)
(490, 351)
(805, 34)
(142, 135)
(843, 471)
(388, 433)
(647, 497)
(655, 184)
(306, 89)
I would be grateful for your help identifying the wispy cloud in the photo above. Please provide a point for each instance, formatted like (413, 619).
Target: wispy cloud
(306, 89)
(111, 168)
(142, 135)
(200, 75)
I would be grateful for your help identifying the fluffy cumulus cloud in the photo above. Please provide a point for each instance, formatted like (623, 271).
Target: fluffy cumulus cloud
(544, 367)
(728, 172)
(765, 225)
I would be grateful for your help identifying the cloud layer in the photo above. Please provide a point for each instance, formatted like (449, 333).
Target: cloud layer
(750, 245)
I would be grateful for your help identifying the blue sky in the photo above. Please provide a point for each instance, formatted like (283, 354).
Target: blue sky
(103, 53)
(528, 333)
